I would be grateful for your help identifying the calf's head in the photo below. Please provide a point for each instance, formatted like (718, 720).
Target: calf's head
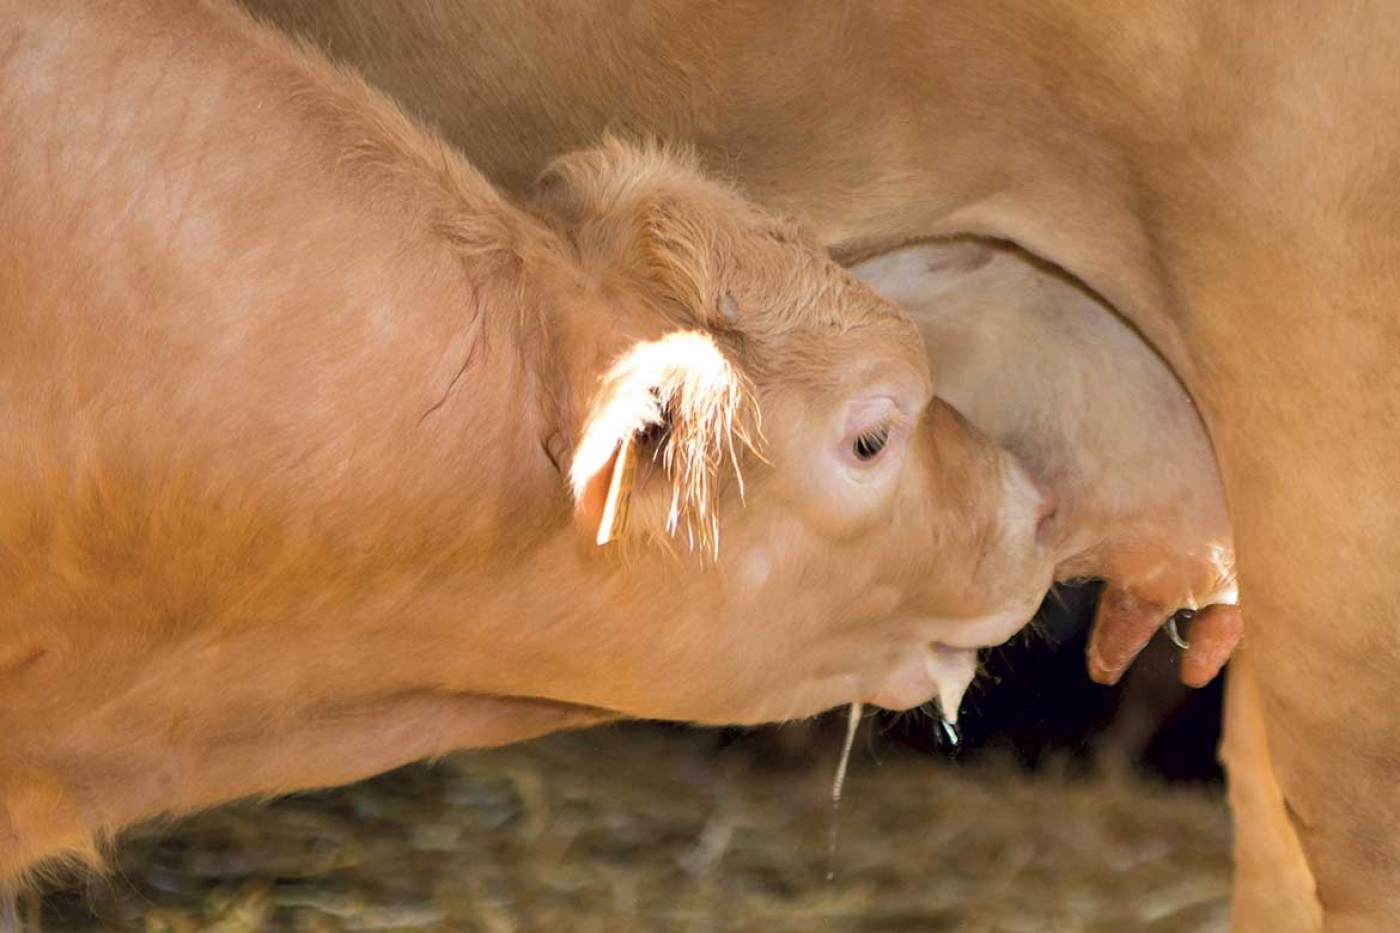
(805, 518)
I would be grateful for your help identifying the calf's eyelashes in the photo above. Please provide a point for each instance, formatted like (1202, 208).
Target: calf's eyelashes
(869, 445)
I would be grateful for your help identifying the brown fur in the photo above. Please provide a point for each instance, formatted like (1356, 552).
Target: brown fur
(1223, 175)
(291, 397)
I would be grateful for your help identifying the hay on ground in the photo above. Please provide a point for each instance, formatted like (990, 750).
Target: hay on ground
(642, 828)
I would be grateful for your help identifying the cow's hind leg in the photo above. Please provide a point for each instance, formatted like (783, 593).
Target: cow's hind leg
(1274, 891)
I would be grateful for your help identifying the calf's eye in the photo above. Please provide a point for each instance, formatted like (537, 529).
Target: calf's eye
(868, 446)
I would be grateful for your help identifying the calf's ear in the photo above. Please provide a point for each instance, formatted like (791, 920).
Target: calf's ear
(668, 420)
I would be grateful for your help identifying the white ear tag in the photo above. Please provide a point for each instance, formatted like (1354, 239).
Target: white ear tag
(619, 499)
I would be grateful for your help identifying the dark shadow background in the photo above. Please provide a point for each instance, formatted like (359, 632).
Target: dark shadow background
(1034, 701)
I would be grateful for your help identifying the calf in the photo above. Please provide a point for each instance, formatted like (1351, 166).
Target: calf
(311, 438)
(1044, 368)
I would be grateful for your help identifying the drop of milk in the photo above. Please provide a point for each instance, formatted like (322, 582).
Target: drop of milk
(953, 670)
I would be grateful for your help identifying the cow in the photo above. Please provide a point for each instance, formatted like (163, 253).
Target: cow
(1220, 175)
(321, 455)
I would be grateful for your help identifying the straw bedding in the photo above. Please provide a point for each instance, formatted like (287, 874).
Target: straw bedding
(648, 828)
